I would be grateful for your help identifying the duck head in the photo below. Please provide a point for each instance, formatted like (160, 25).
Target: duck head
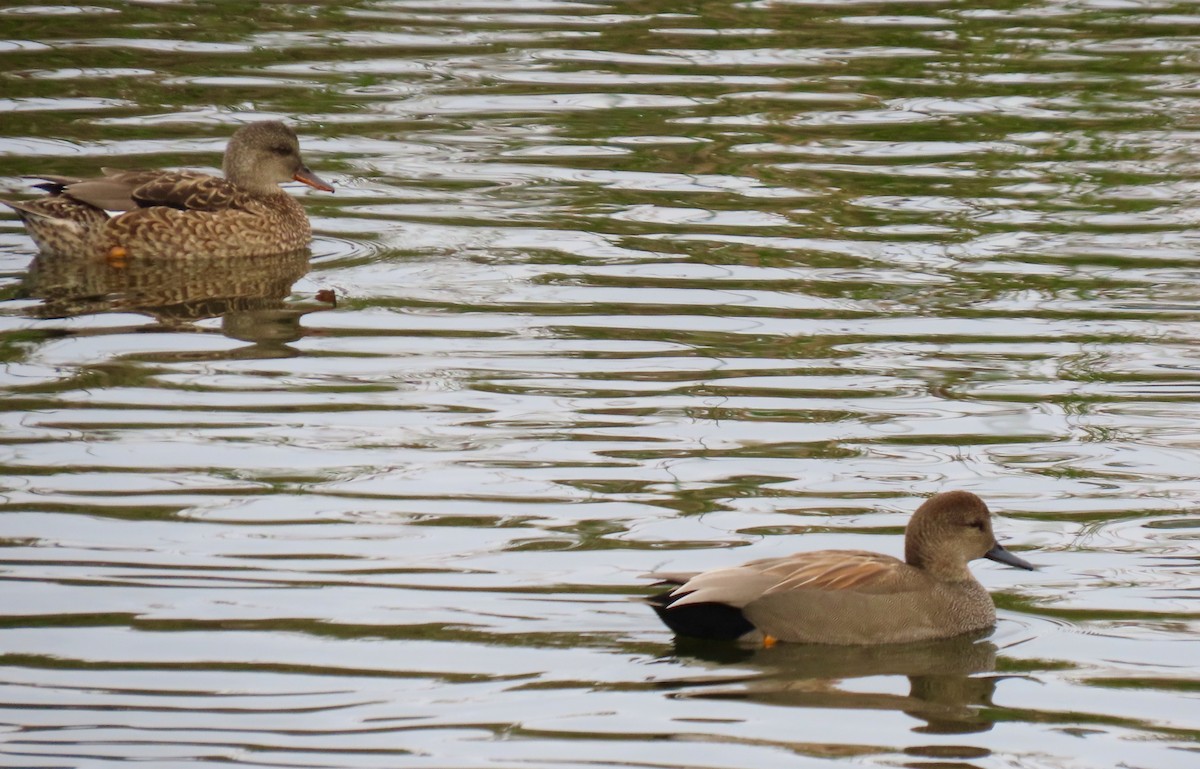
(948, 531)
(263, 155)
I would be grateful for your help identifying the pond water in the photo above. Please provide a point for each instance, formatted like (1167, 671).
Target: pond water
(605, 288)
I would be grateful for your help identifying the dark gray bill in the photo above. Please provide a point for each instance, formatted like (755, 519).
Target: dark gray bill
(1000, 555)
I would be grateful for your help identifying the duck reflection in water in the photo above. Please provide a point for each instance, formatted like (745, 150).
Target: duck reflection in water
(946, 689)
(249, 294)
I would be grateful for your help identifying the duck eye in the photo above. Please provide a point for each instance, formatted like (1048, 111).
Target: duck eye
(976, 525)
(281, 150)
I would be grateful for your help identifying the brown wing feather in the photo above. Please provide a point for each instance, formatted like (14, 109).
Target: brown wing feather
(130, 190)
(110, 192)
(189, 191)
(101, 193)
(834, 570)
(825, 571)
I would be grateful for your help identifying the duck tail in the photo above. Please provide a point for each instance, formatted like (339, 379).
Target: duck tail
(23, 208)
(714, 621)
(53, 184)
(60, 224)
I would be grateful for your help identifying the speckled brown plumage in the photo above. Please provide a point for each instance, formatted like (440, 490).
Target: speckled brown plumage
(181, 214)
(851, 597)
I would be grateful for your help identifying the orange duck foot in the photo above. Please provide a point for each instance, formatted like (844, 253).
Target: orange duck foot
(117, 257)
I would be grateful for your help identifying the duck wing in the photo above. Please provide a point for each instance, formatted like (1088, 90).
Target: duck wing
(111, 192)
(825, 570)
(121, 190)
(835, 570)
(188, 191)
(53, 184)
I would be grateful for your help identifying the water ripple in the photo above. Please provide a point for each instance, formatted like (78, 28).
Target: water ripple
(602, 291)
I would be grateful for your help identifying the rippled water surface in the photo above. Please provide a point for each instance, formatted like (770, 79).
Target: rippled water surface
(605, 287)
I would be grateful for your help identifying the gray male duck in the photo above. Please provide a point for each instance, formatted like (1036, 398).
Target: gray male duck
(180, 214)
(851, 597)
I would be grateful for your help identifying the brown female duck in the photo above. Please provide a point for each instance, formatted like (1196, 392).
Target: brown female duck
(180, 214)
(851, 597)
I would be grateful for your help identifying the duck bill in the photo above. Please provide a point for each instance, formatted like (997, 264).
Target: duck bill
(1000, 555)
(304, 176)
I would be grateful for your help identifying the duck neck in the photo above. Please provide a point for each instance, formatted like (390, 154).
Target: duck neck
(255, 187)
(234, 170)
(943, 569)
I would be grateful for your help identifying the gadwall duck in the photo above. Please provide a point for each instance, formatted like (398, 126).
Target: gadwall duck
(851, 597)
(180, 214)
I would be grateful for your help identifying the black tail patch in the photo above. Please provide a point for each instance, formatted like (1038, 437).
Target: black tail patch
(715, 621)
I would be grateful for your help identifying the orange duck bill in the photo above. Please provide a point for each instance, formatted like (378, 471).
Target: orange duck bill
(306, 176)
